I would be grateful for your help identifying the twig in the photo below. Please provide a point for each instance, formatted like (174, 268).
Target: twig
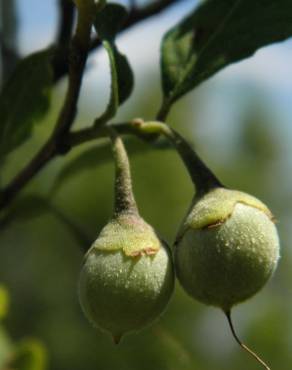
(8, 38)
(93, 133)
(47, 152)
(78, 54)
(66, 15)
(63, 36)
(203, 178)
(61, 141)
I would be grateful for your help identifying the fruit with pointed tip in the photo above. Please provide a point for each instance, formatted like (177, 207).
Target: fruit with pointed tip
(127, 277)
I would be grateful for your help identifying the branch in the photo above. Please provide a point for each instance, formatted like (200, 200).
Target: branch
(46, 153)
(92, 133)
(63, 36)
(64, 32)
(79, 49)
(50, 150)
(203, 178)
(61, 140)
(8, 38)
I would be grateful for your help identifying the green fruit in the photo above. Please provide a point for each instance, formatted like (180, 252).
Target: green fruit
(227, 249)
(228, 245)
(127, 278)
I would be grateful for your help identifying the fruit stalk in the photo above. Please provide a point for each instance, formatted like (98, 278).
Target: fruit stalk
(202, 177)
(242, 345)
(127, 277)
(124, 197)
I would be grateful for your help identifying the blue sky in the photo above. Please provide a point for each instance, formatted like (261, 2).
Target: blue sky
(37, 20)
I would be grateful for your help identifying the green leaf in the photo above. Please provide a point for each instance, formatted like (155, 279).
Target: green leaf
(110, 20)
(216, 34)
(25, 98)
(107, 23)
(113, 103)
(124, 74)
(122, 81)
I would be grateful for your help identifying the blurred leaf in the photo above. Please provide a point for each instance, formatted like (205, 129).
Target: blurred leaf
(90, 158)
(30, 206)
(107, 24)
(25, 98)
(125, 77)
(113, 103)
(216, 34)
(30, 355)
(94, 157)
(110, 20)
(80, 236)
(24, 208)
(258, 138)
(4, 301)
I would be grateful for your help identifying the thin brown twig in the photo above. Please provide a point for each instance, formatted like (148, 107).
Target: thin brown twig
(61, 139)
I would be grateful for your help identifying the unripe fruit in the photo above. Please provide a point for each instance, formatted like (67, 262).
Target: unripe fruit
(128, 276)
(227, 249)
(228, 245)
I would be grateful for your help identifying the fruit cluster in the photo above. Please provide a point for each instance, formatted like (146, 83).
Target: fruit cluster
(225, 251)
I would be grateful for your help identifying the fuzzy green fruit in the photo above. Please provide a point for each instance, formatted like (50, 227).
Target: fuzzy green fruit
(127, 278)
(227, 249)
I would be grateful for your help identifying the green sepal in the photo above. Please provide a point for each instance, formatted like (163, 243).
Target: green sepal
(128, 233)
(217, 206)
